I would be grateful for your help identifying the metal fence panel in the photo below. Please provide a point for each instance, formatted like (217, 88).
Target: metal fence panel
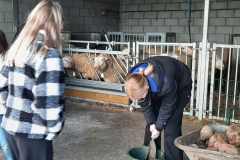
(185, 56)
(225, 97)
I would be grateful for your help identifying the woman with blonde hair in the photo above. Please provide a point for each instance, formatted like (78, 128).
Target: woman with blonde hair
(162, 85)
(32, 85)
(3, 139)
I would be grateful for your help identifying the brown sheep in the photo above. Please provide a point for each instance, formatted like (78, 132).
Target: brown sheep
(105, 64)
(83, 64)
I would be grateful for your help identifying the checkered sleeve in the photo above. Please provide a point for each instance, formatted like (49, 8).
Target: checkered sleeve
(49, 94)
(4, 84)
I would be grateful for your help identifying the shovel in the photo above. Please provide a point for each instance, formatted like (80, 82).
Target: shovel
(151, 152)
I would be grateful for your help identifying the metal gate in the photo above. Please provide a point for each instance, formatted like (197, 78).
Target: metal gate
(224, 99)
(133, 37)
(78, 82)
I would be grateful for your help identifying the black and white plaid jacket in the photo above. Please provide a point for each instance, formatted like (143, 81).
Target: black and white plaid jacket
(34, 95)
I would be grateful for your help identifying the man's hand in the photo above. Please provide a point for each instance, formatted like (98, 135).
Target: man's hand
(152, 127)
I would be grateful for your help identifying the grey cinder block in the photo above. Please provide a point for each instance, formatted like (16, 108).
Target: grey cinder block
(150, 28)
(218, 5)
(199, 6)
(151, 1)
(225, 13)
(216, 38)
(78, 3)
(158, 22)
(137, 1)
(169, 22)
(6, 27)
(1, 17)
(224, 30)
(177, 29)
(144, 22)
(165, 14)
(84, 12)
(23, 7)
(150, 15)
(178, 14)
(173, 6)
(8, 17)
(163, 28)
(132, 7)
(217, 21)
(137, 29)
(74, 11)
(68, 3)
(158, 7)
(5, 6)
(145, 7)
(132, 22)
(234, 4)
(79, 20)
(137, 15)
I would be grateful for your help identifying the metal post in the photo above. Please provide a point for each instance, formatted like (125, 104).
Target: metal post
(202, 81)
(15, 15)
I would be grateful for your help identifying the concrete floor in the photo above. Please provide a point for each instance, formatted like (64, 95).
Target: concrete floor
(100, 133)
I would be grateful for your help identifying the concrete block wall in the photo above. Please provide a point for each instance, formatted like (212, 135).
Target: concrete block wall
(6, 21)
(80, 15)
(172, 16)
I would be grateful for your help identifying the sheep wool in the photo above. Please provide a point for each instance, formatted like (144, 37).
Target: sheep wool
(83, 64)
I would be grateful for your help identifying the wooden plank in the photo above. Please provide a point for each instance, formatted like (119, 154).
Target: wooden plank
(97, 96)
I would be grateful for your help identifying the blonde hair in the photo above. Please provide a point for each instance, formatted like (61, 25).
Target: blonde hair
(47, 16)
(136, 82)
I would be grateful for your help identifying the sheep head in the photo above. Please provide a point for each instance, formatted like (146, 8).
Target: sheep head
(184, 50)
(68, 61)
(219, 63)
(102, 62)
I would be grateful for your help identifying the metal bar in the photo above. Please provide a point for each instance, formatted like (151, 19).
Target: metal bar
(206, 81)
(94, 84)
(212, 81)
(236, 74)
(90, 59)
(95, 51)
(193, 79)
(15, 15)
(96, 90)
(199, 80)
(229, 62)
(137, 51)
(165, 44)
(201, 105)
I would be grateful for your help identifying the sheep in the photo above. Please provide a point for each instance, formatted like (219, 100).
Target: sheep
(68, 61)
(83, 64)
(78, 62)
(105, 64)
(220, 64)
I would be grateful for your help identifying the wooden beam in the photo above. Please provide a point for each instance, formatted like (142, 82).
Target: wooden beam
(97, 96)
